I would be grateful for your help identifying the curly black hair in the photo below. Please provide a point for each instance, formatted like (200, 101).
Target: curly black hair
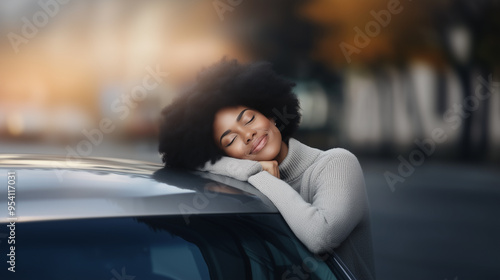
(186, 125)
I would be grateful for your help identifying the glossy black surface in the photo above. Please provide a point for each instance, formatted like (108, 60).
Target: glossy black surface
(104, 221)
(102, 188)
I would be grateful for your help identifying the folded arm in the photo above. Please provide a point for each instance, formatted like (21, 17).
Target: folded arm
(240, 169)
(336, 207)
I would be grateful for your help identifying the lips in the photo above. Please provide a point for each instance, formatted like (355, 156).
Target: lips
(259, 144)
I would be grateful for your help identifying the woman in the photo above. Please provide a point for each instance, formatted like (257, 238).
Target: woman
(238, 121)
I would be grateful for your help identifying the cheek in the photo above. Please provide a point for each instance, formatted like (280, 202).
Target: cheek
(277, 137)
(270, 124)
(276, 133)
(236, 151)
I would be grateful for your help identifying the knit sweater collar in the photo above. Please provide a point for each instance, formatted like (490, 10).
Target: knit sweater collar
(299, 158)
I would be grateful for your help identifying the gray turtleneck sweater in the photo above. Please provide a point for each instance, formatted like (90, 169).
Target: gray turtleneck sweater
(322, 197)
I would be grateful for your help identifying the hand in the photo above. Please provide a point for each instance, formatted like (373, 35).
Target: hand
(271, 166)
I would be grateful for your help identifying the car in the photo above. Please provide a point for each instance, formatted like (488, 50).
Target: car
(114, 219)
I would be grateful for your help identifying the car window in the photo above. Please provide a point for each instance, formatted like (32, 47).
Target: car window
(244, 246)
(291, 259)
(263, 241)
(116, 249)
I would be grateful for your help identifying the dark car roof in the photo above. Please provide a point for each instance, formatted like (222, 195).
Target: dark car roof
(55, 187)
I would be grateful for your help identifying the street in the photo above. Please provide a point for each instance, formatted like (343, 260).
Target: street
(441, 223)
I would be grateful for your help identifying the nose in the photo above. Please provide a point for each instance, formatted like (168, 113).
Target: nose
(248, 135)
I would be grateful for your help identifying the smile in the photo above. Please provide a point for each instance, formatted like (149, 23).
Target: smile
(259, 144)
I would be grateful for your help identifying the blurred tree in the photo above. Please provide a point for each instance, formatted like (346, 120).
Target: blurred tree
(275, 31)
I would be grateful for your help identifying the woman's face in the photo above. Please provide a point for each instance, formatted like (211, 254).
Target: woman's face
(246, 134)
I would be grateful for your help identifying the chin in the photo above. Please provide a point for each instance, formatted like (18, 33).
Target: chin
(271, 153)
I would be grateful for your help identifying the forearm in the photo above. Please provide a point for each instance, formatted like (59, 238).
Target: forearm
(235, 168)
(320, 226)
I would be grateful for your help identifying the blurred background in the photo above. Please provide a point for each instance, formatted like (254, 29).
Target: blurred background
(411, 87)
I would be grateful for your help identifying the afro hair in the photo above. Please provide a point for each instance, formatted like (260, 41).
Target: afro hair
(186, 125)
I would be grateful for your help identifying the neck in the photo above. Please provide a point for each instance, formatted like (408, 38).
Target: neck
(298, 159)
(283, 152)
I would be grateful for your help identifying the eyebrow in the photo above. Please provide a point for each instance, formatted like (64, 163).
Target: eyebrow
(238, 118)
(240, 115)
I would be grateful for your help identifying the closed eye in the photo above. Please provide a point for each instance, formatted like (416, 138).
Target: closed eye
(231, 142)
(253, 117)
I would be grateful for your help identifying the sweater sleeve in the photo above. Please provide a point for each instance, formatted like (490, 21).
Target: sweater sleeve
(240, 169)
(337, 204)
